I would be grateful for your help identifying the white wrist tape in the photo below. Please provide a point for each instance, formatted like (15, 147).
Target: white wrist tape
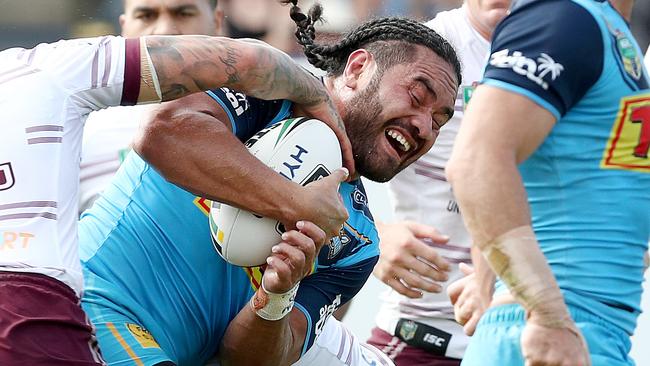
(270, 306)
(516, 258)
(149, 85)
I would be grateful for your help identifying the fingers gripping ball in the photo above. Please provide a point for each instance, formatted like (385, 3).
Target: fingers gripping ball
(302, 150)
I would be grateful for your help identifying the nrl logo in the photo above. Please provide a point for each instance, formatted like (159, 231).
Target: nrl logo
(6, 176)
(631, 60)
(407, 330)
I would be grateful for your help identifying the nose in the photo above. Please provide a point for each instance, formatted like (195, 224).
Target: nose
(423, 122)
(166, 25)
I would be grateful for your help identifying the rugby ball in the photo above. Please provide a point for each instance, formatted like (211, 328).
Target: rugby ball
(302, 150)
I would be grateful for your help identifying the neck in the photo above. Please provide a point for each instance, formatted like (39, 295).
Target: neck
(482, 30)
(624, 7)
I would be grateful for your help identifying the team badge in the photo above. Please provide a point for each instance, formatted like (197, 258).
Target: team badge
(407, 330)
(630, 57)
(142, 335)
(337, 244)
(6, 176)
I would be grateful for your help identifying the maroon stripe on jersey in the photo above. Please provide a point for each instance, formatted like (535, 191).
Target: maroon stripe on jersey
(429, 165)
(28, 215)
(28, 204)
(94, 70)
(131, 88)
(45, 140)
(17, 68)
(430, 174)
(107, 61)
(44, 128)
(455, 248)
(30, 57)
(457, 260)
(8, 78)
(348, 361)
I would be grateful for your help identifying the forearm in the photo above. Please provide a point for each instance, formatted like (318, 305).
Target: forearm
(251, 340)
(188, 64)
(496, 213)
(217, 166)
(484, 275)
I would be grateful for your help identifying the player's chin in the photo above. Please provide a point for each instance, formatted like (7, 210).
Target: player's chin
(383, 172)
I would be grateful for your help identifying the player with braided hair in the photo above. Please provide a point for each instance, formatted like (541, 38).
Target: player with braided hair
(332, 58)
(394, 84)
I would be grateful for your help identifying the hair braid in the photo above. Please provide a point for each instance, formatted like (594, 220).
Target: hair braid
(389, 39)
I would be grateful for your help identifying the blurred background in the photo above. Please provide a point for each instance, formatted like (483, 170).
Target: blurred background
(25, 23)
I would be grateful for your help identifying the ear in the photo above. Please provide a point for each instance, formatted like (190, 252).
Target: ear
(359, 69)
(218, 19)
(122, 20)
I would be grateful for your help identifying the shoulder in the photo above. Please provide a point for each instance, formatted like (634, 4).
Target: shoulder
(449, 24)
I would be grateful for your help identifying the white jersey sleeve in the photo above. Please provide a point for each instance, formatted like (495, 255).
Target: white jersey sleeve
(45, 95)
(421, 193)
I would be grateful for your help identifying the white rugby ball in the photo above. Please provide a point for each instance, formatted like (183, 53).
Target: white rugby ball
(300, 149)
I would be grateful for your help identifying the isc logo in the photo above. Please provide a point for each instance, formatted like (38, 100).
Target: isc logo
(293, 163)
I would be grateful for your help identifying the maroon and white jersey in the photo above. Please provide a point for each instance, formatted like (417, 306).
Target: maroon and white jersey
(45, 95)
(421, 193)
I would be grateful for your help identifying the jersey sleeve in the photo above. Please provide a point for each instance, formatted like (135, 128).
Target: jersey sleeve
(321, 293)
(548, 51)
(89, 69)
(248, 115)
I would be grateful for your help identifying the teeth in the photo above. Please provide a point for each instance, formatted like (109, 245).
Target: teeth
(404, 145)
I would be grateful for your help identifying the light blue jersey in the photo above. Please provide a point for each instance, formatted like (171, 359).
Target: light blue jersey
(157, 290)
(588, 184)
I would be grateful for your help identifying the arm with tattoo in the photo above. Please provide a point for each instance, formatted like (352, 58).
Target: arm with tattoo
(188, 64)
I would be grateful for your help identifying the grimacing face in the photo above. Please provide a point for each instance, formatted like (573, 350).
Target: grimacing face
(168, 17)
(396, 118)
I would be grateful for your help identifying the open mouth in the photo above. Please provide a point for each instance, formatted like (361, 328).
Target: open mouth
(399, 142)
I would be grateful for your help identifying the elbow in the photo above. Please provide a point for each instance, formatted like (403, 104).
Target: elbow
(155, 133)
(454, 170)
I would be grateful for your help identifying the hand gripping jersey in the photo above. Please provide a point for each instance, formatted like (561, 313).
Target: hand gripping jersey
(154, 279)
(421, 193)
(45, 95)
(587, 184)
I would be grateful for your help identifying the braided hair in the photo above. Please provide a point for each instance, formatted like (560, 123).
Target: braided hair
(390, 40)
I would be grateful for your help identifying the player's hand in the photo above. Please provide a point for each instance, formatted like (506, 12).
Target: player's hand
(321, 203)
(470, 300)
(544, 346)
(406, 263)
(326, 112)
(292, 259)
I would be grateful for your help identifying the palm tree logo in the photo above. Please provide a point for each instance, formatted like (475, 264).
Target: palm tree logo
(547, 64)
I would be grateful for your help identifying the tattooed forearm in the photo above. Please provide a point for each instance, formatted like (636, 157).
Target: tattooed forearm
(188, 64)
(229, 62)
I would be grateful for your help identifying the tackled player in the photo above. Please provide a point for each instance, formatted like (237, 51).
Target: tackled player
(157, 291)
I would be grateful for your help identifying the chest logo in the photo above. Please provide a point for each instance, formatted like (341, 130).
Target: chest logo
(629, 140)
